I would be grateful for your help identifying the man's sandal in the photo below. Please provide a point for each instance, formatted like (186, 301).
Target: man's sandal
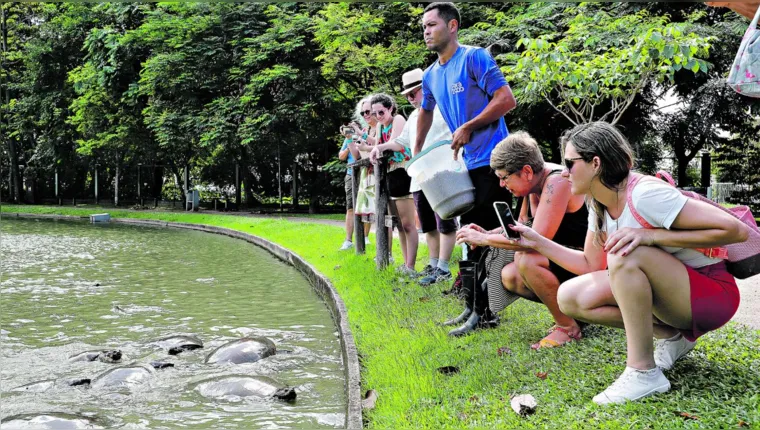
(551, 343)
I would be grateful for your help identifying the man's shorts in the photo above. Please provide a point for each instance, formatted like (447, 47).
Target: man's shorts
(429, 220)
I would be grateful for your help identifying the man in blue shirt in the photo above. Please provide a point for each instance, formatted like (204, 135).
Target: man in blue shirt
(473, 96)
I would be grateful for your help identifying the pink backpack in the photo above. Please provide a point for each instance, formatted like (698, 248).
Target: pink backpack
(743, 259)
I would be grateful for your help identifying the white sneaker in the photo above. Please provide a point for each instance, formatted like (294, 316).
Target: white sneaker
(346, 245)
(668, 351)
(634, 384)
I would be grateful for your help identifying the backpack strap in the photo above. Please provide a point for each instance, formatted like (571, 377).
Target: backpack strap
(716, 252)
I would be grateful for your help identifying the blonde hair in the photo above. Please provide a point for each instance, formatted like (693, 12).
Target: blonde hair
(358, 111)
(517, 150)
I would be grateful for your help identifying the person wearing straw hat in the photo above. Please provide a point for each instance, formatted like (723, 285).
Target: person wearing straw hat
(439, 233)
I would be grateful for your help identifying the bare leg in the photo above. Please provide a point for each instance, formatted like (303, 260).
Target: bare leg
(644, 282)
(433, 239)
(406, 212)
(448, 241)
(534, 269)
(589, 298)
(349, 225)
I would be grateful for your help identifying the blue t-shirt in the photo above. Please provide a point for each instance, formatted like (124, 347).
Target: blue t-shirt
(462, 88)
(350, 158)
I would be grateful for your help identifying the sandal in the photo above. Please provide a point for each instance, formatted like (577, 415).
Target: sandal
(551, 343)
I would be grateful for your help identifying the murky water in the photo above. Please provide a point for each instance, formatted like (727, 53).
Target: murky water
(68, 287)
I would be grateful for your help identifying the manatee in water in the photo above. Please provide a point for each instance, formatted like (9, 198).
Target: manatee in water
(245, 350)
(179, 343)
(126, 376)
(52, 420)
(243, 386)
(105, 356)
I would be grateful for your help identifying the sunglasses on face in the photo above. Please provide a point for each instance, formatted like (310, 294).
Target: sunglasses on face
(570, 162)
(412, 95)
(366, 112)
(379, 114)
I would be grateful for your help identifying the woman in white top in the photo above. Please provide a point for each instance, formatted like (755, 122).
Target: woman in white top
(657, 283)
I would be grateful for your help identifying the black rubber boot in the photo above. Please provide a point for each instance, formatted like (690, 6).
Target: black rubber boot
(481, 317)
(467, 272)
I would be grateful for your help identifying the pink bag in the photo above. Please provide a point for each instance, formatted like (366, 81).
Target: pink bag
(743, 259)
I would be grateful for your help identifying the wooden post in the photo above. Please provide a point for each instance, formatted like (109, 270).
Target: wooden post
(96, 184)
(359, 245)
(381, 209)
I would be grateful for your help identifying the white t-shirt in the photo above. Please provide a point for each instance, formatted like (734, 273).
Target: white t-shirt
(439, 131)
(659, 204)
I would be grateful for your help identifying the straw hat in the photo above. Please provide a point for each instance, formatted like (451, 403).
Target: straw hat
(411, 80)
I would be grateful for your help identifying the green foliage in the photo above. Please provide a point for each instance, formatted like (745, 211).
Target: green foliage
(595, 67)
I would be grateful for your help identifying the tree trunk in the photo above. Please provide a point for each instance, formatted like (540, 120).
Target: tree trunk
(250, 200)
(15, 177)
(294, 187)
(314, 190)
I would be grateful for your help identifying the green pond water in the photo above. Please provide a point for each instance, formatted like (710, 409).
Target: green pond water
(68, 287)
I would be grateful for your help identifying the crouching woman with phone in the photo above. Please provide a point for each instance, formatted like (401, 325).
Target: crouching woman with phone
(553, 211)
(661, 282)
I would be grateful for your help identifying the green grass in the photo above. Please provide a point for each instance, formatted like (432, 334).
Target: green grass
(401, 347)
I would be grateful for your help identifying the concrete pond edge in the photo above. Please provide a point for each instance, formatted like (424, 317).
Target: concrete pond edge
(318, 281)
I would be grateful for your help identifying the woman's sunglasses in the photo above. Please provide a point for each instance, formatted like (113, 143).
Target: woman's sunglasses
(379, 114)
(365, 112)
(569, 162)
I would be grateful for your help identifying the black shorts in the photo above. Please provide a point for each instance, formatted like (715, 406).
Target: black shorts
(429, 220)
(561, 274)
(487, 191)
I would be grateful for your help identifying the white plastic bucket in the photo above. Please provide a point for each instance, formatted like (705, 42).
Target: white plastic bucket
(445, 181)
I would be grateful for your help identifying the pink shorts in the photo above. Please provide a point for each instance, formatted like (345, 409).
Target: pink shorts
(714, 299)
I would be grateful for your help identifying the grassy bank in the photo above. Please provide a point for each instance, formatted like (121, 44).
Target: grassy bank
(401, 346)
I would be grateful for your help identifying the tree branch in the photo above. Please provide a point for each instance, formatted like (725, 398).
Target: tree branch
(559, 110)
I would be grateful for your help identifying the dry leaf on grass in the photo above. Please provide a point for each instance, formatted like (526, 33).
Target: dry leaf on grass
(687, 416)
(473, 399)
(524, 404)
(542, 375)
(504, 350)
(424, 299)
(743, 424)
(336, 267)
(370, 398)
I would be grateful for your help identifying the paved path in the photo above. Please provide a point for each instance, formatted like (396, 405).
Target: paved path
(749, 309)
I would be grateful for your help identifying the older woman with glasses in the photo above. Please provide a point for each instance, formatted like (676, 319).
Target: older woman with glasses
(554, 212)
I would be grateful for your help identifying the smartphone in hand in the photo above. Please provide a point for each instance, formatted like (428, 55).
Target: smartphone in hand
(506, 219)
